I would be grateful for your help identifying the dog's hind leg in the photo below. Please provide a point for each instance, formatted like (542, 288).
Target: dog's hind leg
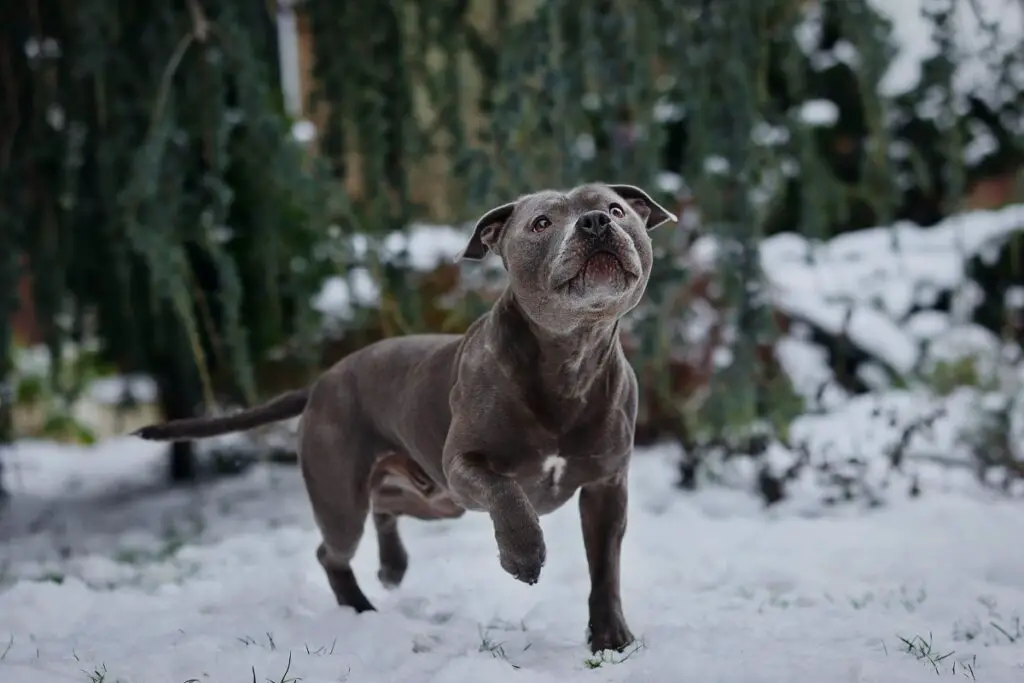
(336, 454)
(394, 560)
(399, 487)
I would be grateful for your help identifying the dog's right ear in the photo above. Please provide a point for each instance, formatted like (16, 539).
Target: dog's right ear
(486, 233)
(652, 213)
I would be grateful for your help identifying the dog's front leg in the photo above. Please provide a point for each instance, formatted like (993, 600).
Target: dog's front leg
(603, 517)
(475, 485)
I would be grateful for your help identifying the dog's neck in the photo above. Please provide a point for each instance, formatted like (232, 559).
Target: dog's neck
(555, 368)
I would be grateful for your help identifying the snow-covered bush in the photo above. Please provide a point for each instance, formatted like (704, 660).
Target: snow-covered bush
(926, 386)
(906, 116)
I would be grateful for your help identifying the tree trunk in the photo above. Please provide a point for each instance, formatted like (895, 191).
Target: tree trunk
(179, 396)
(8, 290)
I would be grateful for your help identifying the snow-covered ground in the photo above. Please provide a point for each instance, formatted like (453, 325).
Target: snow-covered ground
(107, 577)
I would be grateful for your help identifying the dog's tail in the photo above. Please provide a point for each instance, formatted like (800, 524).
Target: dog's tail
(279, 408)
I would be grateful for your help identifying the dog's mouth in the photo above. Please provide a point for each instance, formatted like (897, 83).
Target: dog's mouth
(603, 268)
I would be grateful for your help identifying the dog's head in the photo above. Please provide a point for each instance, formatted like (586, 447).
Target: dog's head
(573, 257)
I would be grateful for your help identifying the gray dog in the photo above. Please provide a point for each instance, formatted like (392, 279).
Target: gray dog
(534, 402)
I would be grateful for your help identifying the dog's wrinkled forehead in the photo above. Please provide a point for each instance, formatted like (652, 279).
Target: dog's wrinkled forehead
(569, 205)
(561, 209)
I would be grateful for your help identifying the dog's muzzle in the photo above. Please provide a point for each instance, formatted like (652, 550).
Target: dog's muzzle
(594, 224)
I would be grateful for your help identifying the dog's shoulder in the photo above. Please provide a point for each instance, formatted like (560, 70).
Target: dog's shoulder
(478, 354)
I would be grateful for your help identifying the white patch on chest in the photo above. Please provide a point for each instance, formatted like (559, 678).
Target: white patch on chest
(554, 469)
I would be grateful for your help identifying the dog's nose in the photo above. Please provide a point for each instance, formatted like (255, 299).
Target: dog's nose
(594, 223)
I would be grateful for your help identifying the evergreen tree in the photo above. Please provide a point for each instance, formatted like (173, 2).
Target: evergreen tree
(148, 172)
(149, 176)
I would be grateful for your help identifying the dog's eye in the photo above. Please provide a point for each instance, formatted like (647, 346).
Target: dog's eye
(617, 211)
(541, 223)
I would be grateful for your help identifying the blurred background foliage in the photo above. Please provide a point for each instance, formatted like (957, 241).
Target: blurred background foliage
(167, 206)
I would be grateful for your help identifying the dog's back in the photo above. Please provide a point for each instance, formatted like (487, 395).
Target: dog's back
(397, 379)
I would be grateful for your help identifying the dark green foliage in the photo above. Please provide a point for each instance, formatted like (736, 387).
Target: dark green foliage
(139, 133)
(154, 187)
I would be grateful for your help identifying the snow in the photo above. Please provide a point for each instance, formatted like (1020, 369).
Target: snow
(881, 419)
(981, 143)
(806, 366)
(586, 146)
(716, 165)
(670, 182)
(421, 247)
(880, 263)
(303, 130)
(766, 135)
(808, 34)
(985, 32)
(107, 574)
(427, 245)
(819, 113)
(1014, 297)
(112, 390)
(872, 329)
(340, 295)
(868, 282)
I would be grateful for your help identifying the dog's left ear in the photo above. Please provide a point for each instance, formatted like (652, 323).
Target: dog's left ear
(653, 213)
(486, 233)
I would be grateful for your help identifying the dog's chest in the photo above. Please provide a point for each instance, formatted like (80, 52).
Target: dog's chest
(553, 468)
(552, 480)
(554, 475)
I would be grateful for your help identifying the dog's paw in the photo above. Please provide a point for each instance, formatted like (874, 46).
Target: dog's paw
(390, 576)
(393, 564)
(521, 550)
(609, 634)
